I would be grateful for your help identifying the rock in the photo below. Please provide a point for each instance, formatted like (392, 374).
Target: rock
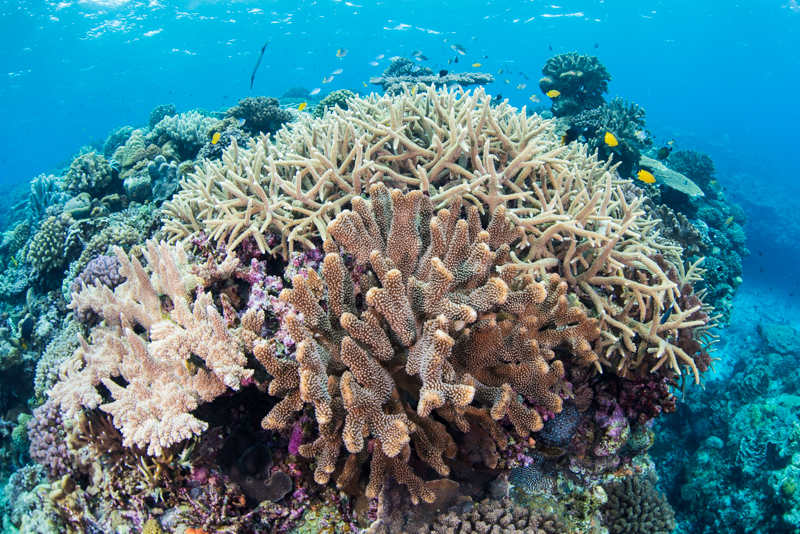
(780, 338)
(80, 207)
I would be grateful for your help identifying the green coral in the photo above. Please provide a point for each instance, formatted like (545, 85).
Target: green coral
(336, 98)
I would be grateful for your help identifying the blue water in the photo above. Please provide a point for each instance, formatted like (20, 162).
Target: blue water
(716, 76)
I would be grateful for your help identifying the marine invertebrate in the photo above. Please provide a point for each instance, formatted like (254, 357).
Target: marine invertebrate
(472, 324)
(46, 251)
(581, 81)
(406, 67)
(396, 85)
(635, 506)
(189, 130)
(159, 113)
(188, 359)
(88, 172)
(335, 98)
(576, 221)
(696, 166)
(262, 114)
(117, 138)
(46, 191)
(496, 516)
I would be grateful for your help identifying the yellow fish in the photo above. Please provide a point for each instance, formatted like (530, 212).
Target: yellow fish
(215, 139)
(610, 139)
(646, 176)
(506, 81)
(341, 52)
(414, 90)
(476, 65)
(521, 86)
(728, 221)
(552, 93)
(14, 261)
(535, 98)
(365, 83)
(302, 106)
(500, 71)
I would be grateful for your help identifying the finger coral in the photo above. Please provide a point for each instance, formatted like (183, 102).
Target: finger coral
(444, 318)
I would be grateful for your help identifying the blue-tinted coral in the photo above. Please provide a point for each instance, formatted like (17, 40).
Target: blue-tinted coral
(581, 81)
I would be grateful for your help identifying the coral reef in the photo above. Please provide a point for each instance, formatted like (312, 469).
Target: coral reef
(117, 138)
(262, 114)
(496, 516)
(46, 250)
(46, 191)
(635, 506)
(190, 131)
(88, 173)
(335, 98)
(159, 113)
(581, 81)
(397, 85)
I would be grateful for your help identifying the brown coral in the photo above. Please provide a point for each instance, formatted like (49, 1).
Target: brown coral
(446, 320)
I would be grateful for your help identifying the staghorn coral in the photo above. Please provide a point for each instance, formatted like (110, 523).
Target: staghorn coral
(89, 172)
(581, 80)
(335, 98)
(459, 316)
(576, 220)
(262, 114)
(188, 358)
(394, 84)
(635, 506)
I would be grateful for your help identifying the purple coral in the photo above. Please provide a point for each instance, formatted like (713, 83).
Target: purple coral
(103, 269)
(47, 437)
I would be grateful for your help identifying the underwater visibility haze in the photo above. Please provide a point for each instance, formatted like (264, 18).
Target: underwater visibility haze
(402, 266)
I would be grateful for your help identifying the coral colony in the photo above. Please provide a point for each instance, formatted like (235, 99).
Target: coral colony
(423, 310)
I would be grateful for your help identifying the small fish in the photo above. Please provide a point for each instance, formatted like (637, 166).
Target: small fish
(665, 317)
(728, 222)
(314, 91)
(499, 97)
(572, 134)
(414, 90)
(456, 60)
(394, 58)
(663, 152)
(476, 65)
(449, 61)
(596, 45)
(522, 86)
(338, 71)
(640, 135)
(341, 52)
(646, 176)
(523, 75)
(302, 106)
(610, 139)
(374, 63)
(365, 83)
(442, 73)
(379, 56)
(552, 93)
(500, 71)
(14, 261)
(506, 81)
(215, 139)
(458, 48)
(416, 53)
(551, 48)
(422, 57)
(415, 68)
(329, 79)
(535, 98)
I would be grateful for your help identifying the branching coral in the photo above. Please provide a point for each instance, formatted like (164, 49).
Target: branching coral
(188, 358)
(580, 80)
(445, 318)
(576, 221)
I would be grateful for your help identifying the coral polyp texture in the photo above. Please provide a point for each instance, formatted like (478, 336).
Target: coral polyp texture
(581, 81)
(405, 303)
